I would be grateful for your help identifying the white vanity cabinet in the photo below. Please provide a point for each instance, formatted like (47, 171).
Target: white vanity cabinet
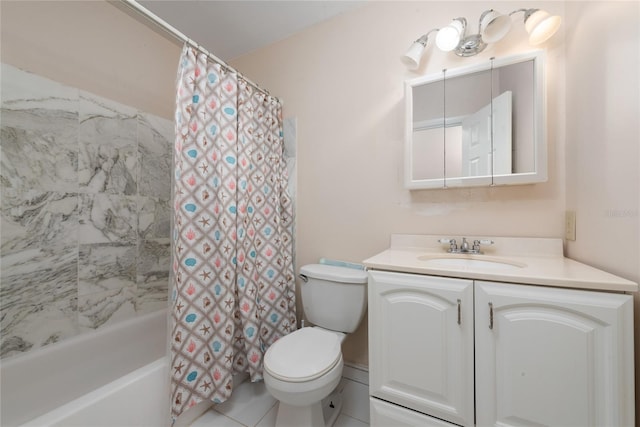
(487, 353)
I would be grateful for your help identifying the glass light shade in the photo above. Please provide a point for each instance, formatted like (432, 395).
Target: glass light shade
(412, 58)
(449, 37)
(496, 26)
(541, 26)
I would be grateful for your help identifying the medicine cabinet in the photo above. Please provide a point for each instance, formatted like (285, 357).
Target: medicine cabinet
(479, 125)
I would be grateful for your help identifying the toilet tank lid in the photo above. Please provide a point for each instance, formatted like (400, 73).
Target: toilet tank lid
(334, 273)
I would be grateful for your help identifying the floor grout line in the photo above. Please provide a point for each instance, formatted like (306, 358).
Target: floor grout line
(266, 413)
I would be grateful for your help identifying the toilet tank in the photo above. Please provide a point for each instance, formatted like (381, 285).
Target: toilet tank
(334, 297)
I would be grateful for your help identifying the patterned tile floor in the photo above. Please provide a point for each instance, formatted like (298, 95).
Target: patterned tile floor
(252, 406)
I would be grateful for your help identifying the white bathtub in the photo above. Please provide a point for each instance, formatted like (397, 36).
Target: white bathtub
(116, 376)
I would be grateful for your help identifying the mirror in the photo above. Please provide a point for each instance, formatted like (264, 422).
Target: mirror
(479, 125)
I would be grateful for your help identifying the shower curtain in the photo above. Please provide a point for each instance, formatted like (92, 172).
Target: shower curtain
(233, 287)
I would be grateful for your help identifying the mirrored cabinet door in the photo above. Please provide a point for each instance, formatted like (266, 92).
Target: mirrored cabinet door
(468, 136)
(428, 131)
(521, 84)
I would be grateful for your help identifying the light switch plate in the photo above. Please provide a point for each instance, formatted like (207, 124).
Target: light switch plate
(570, 225)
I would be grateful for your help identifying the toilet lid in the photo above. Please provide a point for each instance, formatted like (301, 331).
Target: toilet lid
(303, 355)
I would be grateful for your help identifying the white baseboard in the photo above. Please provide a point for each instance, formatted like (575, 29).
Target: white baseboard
(356, 372)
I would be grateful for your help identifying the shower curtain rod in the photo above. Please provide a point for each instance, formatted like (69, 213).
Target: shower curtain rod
(133, 4)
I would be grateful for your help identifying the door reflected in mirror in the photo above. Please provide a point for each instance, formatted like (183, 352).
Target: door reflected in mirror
(478, 125)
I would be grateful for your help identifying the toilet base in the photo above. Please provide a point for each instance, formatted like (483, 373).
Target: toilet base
(320, 414)
(332, 406)
(298, 416)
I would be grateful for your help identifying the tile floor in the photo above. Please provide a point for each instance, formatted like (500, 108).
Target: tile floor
(252, 406)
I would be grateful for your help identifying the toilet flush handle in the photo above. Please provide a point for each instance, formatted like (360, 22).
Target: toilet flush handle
(304, 278)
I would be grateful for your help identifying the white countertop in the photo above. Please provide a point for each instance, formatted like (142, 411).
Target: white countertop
(537, 261)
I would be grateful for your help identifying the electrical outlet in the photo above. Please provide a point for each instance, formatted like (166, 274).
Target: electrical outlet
(570, 225)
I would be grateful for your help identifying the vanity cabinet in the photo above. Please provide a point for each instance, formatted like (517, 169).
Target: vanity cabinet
(487, 353)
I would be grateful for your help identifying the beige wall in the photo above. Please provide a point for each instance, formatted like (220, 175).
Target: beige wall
(603, 140)
(343, 80)
(94, 46)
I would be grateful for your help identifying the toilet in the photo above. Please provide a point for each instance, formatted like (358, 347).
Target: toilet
(303, 368)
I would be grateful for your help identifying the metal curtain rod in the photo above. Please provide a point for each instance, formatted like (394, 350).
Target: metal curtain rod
(133, 4)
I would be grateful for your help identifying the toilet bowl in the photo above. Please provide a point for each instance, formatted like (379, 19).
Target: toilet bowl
(304, 367)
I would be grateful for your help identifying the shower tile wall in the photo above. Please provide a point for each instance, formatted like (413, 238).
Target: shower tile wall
(84, 211)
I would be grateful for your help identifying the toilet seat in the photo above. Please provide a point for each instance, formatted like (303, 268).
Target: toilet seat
(303, 355)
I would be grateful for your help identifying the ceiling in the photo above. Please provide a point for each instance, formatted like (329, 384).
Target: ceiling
(229, 29)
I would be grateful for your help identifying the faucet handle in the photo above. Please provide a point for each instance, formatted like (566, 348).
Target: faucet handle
(453, 246)
(477, 243)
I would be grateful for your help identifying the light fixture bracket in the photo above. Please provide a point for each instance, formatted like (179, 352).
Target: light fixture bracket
(492, 26)
(470, 46)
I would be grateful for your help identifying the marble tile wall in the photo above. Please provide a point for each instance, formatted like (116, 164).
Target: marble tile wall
(84, 211)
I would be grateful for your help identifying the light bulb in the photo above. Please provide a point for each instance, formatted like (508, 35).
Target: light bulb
(541, 26)
(449, 37)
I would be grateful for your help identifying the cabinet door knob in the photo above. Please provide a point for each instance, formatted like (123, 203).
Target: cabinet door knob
(459, 311)
(490, 315)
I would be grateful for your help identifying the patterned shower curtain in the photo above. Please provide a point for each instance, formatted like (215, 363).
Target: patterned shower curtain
(233, 284)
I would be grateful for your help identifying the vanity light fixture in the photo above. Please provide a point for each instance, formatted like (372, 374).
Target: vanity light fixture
(492, 27)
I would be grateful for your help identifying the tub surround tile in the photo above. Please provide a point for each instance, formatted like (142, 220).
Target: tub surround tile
(154, 218)
(108, 218)
(155, 142)
(106, 122)
(150, 301)
(107, 169)
(39, 134)
(39, 150)
(107, 136)
(38, 219)
(106, 267)
(75, 210)
(38, 298)
(106, 308)
(153, 275)
(107, 274)
(47, 323)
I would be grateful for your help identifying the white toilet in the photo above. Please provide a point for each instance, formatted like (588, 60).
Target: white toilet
(304, 367)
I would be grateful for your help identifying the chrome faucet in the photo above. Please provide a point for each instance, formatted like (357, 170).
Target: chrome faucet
(464, 246)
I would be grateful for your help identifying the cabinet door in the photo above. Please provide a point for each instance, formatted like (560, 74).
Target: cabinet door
(421, 343)
(556, 357)
(384, 414)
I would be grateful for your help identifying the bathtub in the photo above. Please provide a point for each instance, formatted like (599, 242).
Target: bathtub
(116, 376)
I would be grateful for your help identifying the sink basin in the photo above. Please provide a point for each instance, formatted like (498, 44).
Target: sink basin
(467, 262)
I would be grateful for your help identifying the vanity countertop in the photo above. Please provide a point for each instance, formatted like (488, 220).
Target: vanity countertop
(535, 261)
